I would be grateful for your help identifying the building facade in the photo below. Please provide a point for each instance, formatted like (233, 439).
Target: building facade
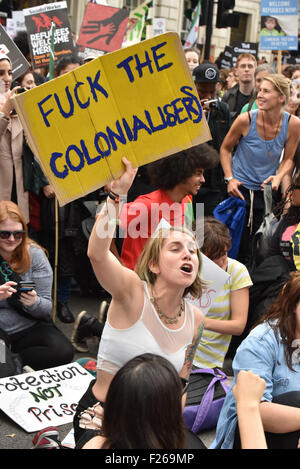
(173, 12)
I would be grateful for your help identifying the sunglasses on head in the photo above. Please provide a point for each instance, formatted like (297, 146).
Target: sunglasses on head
(4, 234)
(185, 384)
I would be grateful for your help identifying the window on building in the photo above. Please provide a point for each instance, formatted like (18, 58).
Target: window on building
(240, 33)
(185, 22)
(131, 3)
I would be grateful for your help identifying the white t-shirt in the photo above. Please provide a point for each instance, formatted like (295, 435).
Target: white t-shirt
(213, 346)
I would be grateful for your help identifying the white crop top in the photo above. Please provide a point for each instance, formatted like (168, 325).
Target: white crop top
(147, 335)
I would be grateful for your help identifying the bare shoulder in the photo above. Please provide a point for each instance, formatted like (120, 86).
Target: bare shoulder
(294, 123)
(198, 317)
(243, 120)
(240, 125)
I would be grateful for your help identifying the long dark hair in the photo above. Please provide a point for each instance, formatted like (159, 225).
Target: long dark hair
(143, 406)
(281, 315)
(285, 207)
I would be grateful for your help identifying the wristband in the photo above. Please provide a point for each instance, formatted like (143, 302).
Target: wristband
(116, 198)
(227, 180)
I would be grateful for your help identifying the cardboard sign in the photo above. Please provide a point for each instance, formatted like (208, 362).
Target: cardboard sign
(139, 102)
(215, 278)
(44, 398)
(103, 27)
(9, 48)
(245, 48)
(38, 22)
(227, 58)
(279, 25)
(136, 24)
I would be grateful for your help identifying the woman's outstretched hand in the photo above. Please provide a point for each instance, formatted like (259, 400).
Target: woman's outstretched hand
(122, 185)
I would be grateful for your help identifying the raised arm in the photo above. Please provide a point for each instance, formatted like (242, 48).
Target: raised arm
(113, 277)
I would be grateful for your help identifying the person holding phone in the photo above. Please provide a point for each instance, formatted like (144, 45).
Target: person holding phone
(26, 326)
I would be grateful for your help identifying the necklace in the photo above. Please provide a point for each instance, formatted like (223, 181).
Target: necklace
(277, 128)
(167, 319)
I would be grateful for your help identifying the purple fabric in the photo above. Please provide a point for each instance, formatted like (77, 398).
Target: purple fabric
(205, 415)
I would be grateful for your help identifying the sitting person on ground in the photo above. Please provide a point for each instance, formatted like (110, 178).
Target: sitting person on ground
(271, 350)
(132, 422)
(149, 312)
(25, 316)
(228, 314)
(178, 177)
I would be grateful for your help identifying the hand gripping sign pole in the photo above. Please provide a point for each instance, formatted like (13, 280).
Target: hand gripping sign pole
(51, 76)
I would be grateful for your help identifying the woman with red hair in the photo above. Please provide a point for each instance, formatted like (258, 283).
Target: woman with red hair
(25, 311)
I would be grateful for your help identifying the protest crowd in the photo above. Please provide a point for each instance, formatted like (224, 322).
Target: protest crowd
(148, 246)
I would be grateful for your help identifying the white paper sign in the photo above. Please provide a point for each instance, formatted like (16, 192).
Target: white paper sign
(44, 398)
(215, 278)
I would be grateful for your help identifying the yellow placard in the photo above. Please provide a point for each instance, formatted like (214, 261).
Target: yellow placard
(139, 102)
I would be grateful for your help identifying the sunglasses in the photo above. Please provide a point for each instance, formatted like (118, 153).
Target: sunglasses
(296, 187)
(185, 384)
(16, 234)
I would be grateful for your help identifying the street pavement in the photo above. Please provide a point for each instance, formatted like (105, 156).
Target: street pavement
(12, 436)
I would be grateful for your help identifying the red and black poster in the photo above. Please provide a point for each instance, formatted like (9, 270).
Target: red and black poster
(103, 27)
(38, 21)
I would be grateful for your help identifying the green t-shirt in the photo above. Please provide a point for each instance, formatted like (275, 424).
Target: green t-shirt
(253, 107)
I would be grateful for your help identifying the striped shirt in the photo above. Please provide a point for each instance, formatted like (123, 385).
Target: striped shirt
(213, 346)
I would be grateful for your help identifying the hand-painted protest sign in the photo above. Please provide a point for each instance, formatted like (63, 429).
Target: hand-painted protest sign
(38, 22)
(215, 278)
(138, 102)
(44, 398)
(136, 24)
(9, 48)
(103, 27)
(279, 25)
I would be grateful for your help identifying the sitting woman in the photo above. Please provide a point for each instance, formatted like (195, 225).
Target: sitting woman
(148, 312)
(133, 422)
(271, 352)
(228, 314)
(25, 317)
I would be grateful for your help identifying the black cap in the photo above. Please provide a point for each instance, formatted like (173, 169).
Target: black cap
(206, 73)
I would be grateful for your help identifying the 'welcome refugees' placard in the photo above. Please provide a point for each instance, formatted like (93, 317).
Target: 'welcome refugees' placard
(139, 102)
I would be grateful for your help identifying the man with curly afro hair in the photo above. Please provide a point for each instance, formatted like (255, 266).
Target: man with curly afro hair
(177, 179)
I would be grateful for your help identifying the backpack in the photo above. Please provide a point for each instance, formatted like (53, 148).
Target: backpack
(232, 212)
